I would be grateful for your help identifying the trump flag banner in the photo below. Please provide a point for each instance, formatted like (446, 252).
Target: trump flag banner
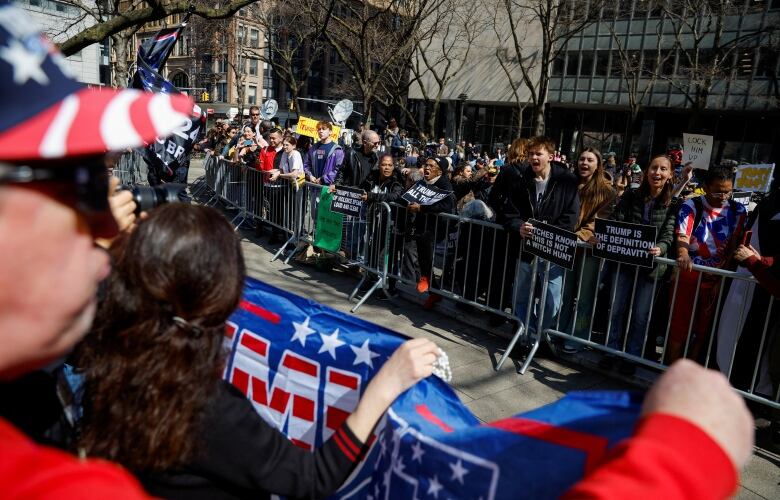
(303, 366)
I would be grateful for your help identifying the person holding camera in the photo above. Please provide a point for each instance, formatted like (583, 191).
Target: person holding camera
(182, 429)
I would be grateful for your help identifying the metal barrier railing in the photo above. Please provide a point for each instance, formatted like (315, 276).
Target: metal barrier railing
(130, 168)
(609, 307)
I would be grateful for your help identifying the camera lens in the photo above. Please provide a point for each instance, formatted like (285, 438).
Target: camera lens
(148, 197)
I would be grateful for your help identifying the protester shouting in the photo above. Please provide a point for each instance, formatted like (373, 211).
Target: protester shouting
(597, 199)
(651, 204)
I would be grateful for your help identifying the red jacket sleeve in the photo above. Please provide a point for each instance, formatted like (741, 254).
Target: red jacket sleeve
(761, 270)
(31, 471)
(667, 458)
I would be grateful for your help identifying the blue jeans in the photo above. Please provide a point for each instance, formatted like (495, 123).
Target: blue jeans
(524, 294)
(640, 309)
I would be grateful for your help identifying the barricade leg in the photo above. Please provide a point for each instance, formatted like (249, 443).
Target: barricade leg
(522, 276)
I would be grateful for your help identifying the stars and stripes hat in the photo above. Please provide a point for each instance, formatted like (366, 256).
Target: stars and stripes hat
(46, 114)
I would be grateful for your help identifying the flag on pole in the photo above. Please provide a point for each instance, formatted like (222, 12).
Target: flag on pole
(165, 154)
(304, 366)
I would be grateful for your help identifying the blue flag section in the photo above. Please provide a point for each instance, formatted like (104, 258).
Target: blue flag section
(304, 365)
(166, 154)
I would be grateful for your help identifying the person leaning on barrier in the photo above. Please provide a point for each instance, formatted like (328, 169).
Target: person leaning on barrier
(53, 204)
(324, 158)
(597, 199)
(709, 229)
(360, 161)
(651, 204)
(429, 229)
(185, 431)
(544, 191)
(290, 161)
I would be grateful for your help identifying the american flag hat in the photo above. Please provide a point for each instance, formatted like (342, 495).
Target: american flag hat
(47, 114)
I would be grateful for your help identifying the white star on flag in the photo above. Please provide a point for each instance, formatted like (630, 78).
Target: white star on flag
(458, 471)
(399, 465)
(330, 343)
(417, 452)
(26, 64)
(302, 331)
(434, 487)
(364, 355)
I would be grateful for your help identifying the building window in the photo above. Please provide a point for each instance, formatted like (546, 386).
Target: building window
(180, 81)
(223, 64)
(35, 3)
(254, 38)
(601, 66)
(745, 60)
(241, 34)
(222, 92)
(558, 63)
(182, 46)
(253, 67)
(334, 56)
(251, 94)
(586, 64)
(767, 62)
(571, 64)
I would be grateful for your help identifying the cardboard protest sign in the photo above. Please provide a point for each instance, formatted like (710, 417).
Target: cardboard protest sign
(754, 177)
(552, 244)
(308, 127)
(697, 149)
(625, 242)
(423, 194)
(327, 231)
(347, 201)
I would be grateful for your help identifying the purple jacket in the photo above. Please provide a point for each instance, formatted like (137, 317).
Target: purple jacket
(332, 163)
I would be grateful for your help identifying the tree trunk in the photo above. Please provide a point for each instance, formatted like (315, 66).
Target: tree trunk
(120, 44)
(539, 124)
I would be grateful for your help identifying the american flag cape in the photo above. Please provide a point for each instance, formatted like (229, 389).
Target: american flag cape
(165, 154)
(304, 365)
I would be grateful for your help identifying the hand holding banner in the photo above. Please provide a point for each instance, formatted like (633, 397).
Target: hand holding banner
(423, 194)
(552, 244)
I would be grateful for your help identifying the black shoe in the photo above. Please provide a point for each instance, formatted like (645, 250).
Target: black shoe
(391, 294)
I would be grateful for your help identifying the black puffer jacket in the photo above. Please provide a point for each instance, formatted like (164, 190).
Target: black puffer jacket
(388, 191)
(514, 191)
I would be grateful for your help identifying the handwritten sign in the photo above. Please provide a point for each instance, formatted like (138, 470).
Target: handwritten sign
(423, 194)
(552, 243)
(697, 150)
(625, 242)
(347, 201)
(756, 178)
(308, 127)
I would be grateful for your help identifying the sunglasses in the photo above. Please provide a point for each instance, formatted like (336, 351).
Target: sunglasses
(86, 190)
(254, 114)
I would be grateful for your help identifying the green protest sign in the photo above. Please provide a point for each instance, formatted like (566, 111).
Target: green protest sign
(327, 232)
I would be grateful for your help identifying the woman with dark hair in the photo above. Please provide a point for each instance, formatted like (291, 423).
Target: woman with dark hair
(597, 199)
(650, 204)
(154, 400)
(467, 185)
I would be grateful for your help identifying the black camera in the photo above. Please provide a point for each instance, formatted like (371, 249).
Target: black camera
(149, 197)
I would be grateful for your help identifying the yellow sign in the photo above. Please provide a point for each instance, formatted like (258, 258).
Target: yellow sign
(754, 177)
(308, 127)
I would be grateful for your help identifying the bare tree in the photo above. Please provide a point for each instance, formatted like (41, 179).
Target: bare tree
(639, 70)
(442, 50)
(705, 55)
(373, 37)
(539, 31)
(294, 42)
(116, 16)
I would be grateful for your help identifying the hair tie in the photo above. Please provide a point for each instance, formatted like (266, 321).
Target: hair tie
(183, 323)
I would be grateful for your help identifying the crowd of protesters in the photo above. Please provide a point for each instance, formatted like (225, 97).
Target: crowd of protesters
(696, 220)
(135, 334)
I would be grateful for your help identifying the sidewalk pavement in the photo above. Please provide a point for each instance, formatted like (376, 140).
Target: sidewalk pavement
(473, 353)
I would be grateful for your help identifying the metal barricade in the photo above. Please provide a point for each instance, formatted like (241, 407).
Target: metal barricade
(275, 203)
(716, 317)
(204, 184)
(130, 168)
